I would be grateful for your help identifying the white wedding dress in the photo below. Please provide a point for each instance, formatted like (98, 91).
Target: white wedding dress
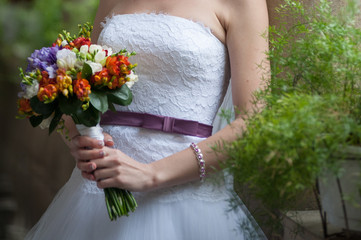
(184, 73)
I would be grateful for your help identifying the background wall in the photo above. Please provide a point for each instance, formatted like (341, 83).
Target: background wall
(33, 165)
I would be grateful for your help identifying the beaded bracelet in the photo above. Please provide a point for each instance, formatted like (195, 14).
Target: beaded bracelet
(201, 162)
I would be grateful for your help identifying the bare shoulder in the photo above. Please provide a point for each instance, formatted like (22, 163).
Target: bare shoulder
(104, 8)
(234, 12)
(245, 22)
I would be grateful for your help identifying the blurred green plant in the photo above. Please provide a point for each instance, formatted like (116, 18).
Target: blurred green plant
(29, 25)
(312, 105)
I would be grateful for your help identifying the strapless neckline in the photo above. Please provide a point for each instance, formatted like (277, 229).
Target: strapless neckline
(184, 69)
(200, 24)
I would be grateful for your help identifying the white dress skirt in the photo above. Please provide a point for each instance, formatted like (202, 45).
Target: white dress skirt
(183, 72)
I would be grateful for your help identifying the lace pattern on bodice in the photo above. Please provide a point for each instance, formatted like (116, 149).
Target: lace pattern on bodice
(183, 72)
(183, 68)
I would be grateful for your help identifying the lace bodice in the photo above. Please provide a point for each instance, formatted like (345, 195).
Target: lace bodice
(183, 72)
(182, 67)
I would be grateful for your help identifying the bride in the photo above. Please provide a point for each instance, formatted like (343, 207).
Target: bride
(186, 53)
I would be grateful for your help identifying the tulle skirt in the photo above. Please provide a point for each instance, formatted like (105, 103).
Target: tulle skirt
(191, 211)
(79, 214)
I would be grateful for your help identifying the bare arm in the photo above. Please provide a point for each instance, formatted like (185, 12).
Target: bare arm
(247, 20)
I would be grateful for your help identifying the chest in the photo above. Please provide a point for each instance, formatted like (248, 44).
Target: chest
(208, 12)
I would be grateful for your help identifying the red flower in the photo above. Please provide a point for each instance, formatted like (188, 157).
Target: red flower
(80, 41)
(118, 68)
(24, 107)
(116, 82)
(112, 65)
(118, 65)
(81, 88)
(101, 78)
(47, 93)
(45, 80)
(123, 60)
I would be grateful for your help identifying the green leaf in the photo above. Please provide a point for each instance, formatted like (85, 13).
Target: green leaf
(111, 106)
(86, 72)
(122, 96)
(55, 121)
(99, 100)
(70, 105)
(36, 120)
(41, 108)
(89, 117)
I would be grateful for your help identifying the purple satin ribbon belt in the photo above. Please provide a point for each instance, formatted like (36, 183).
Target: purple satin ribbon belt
(155, 122)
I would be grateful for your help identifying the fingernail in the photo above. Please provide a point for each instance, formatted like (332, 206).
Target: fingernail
(92, 166)
(100, 143)
(101, 154)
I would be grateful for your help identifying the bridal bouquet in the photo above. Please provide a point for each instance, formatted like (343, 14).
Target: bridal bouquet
(83, 80)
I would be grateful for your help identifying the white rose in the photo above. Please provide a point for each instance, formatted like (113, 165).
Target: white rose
(96, 67)
(132, 78)
(66, 59)
(95, 48)
(31, 90)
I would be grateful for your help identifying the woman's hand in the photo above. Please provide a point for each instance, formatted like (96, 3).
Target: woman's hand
(110, 167)
(84, 148)
(116, 169)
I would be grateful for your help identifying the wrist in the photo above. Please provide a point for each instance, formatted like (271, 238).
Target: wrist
(156, 179)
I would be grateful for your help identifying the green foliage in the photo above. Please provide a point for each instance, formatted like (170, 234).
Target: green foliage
(285, 148)
(27, 26)
(102, 99)
(320, 54)
(311, 104)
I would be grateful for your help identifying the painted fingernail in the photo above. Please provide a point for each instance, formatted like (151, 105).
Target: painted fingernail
(101, 154)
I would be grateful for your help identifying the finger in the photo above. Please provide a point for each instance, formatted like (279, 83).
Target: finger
(108, 140)
(108, 183)
(111, 158)
(101, 174)
(87, 142)
(88, 176)
(106, 162)
(87, 154)
(87, 167)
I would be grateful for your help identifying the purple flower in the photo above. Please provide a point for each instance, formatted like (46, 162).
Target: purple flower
(44, 59)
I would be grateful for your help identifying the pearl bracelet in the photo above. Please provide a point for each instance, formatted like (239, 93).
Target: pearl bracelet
(201, 162)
